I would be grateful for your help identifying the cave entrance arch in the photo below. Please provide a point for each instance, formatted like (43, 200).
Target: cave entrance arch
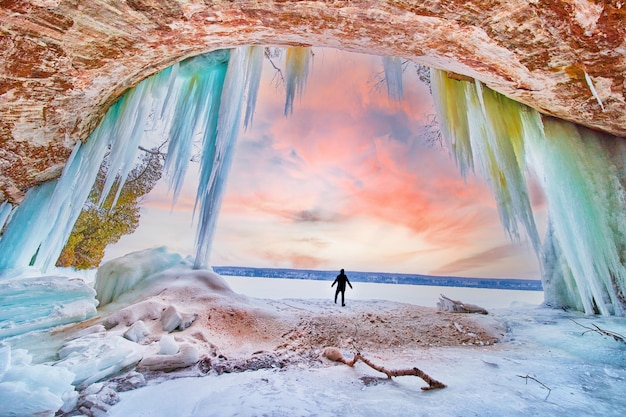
(79, 60)
(64, 64)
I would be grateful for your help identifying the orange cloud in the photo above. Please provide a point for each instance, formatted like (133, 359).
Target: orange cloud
(293, 259)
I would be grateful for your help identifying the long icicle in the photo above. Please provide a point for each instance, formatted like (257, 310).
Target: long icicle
(219, 145)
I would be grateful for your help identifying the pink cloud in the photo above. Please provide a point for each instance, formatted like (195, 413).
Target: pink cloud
(346, 152)
(478, 260)
(293, 259)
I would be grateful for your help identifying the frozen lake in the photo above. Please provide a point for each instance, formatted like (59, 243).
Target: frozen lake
(424, 295)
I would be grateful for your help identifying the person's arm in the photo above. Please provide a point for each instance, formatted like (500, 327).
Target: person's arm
(348, 281)
(333, 284)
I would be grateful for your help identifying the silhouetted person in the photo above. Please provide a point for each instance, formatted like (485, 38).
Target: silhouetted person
(341, 281)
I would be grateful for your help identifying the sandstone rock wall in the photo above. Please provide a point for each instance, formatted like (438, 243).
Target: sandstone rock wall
(64, 62)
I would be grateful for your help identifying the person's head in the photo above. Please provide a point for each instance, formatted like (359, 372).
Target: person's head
(342, 270)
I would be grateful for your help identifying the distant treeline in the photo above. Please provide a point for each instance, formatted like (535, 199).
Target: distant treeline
(383, 278)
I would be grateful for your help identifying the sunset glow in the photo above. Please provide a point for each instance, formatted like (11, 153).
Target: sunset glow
(346, 181)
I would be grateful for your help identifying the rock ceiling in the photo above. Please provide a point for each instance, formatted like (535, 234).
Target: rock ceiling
(64, 62)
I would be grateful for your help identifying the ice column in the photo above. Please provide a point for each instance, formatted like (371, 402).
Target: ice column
(451, 107)
(40, 226)
(582, 174)
(192, 111)
(194, 98)
(580, 170)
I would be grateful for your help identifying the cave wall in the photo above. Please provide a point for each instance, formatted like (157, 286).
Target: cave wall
(64, 62)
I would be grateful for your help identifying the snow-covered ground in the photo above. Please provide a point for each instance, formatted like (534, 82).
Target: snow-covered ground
(181, 342)
(585, 375)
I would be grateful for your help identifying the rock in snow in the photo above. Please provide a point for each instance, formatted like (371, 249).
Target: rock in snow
(187, 356)
(137, 332)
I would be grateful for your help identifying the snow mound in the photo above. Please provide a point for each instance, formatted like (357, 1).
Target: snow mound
(118, 276)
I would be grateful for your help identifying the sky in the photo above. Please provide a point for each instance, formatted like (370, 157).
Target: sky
(346, 181)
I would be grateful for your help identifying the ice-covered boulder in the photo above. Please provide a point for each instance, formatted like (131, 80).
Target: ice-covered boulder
(188, 355)
(120, 275)
(168, 346)
(172, 319)
(29, 390)
(37, 303)
(144, 310)
(137, 332)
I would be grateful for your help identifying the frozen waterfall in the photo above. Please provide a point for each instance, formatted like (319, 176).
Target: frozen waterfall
(581, 172)
(202, 97)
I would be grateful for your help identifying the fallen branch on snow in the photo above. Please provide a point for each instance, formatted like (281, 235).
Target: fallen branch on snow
(527, 377)
(616, 336)
(334, 354)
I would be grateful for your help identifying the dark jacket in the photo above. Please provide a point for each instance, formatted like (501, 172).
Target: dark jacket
(341, 282)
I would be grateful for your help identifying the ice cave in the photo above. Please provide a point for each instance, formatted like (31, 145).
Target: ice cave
(581, 169)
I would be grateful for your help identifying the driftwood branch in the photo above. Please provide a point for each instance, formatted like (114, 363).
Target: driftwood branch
(335, 355)
(527, 377)
(455, 306)
(616, 336)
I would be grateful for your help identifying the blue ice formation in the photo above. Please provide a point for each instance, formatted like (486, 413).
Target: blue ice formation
(28, 389)
(202, 96)
(35, 303)
(582, 173)
(120, 275)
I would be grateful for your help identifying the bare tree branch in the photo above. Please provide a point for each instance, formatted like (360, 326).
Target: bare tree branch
(279, 73)
(527, 377)
(334, 354)
(616, 336)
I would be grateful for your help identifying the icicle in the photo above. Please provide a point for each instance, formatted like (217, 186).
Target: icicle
(23, 234)
(254, 71)
(583, 178)
(296, 72)
(486, 129)
(393, 77)
(219, 145)
(41, 225)
(5, 213)
(450, 105)
(199, 86)
(182, 102)
(559, 286)
(593, 90)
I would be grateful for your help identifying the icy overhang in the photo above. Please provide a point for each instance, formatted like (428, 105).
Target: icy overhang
(62, 65)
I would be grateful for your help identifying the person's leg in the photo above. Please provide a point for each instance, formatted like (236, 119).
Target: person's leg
(336, 294)
(343, 301)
